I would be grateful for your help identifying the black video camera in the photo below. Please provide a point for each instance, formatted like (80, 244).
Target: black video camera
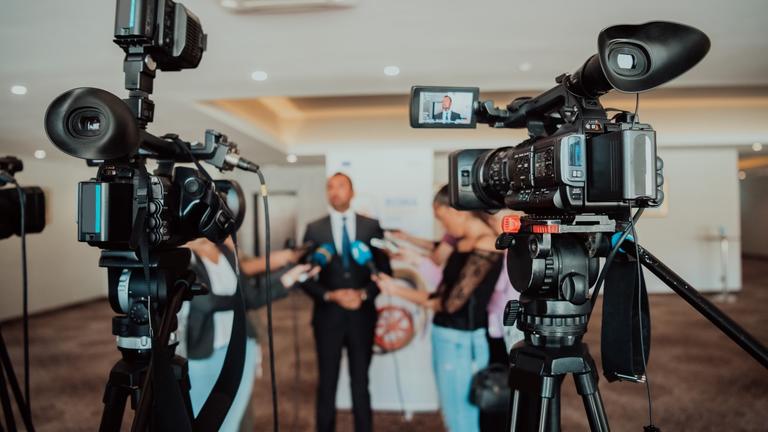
(139, 218)
(124, 202)
(577, 177)
(576, 160)
(10, 202)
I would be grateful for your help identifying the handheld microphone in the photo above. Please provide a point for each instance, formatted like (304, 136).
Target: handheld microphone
(362, 255)
(385, 244)
(320, 257)
(323, 255)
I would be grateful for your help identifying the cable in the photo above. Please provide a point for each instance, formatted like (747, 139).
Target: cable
(25, 295)
(609, 260)
(252, 167)
(264, 195)
(640, 319)
(637, 106)
(623, 237)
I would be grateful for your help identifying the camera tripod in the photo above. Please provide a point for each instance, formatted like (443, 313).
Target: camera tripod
(554, 273)
(537, 373)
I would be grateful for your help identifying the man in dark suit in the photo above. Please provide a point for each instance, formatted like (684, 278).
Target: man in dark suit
(344, 312)
(446, 115)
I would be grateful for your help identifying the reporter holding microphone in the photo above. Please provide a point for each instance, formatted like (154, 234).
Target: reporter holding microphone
(459, 345)
(205, 322)
(344, 313)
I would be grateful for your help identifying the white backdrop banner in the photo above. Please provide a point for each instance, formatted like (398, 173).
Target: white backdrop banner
(395, 186)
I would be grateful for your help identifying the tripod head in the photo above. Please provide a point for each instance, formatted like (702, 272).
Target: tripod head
(553, 263)
(135, 296)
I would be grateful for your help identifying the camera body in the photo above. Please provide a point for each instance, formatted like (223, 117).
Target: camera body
(124, 206)
(177, 208)
(591, 166)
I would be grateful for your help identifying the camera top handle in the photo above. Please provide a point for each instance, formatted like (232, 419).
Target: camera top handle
(630, 58)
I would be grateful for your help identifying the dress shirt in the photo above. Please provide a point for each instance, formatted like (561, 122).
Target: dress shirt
(337, 226)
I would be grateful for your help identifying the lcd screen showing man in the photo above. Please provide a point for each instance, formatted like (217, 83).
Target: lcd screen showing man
(442, 108)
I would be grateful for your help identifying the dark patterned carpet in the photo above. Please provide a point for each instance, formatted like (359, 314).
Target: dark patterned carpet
(701, 381)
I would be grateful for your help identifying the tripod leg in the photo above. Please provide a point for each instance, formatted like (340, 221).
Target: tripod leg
(513, 410)
(586, 385)
(181, 370)
(544, 415)
(115, 397)
(7, 366)
(549, 412)
(10, 422)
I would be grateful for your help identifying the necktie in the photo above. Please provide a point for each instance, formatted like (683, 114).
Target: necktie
(346, 244)
(445, 116)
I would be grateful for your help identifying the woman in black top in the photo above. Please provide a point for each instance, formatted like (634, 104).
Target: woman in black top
(459, 345)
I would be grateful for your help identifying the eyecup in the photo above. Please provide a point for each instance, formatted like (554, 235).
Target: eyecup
(91, 123)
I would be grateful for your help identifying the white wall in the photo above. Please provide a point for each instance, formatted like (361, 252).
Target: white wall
(308, 181)
(703, 194)
(61, 270)
(754, 210)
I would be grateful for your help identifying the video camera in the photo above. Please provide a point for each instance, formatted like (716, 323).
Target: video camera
(176, 205)
(577, 177)
(576, 159)
(10, 202)
(139, 219)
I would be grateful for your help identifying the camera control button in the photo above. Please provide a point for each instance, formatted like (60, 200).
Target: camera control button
(193, 186)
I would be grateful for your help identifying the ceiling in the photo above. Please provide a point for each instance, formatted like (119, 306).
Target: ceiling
(52, 45)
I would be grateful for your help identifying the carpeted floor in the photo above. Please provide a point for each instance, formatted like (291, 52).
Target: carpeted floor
(701, 381)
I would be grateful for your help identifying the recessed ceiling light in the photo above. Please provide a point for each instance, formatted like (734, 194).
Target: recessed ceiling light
(525, 67)
(742, 175)
(291, 158)
(19, 90)
(259, 76)
(391, 71)
(39, 154)
(757, 146)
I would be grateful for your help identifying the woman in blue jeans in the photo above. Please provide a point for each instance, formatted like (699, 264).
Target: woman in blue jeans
(459, 344)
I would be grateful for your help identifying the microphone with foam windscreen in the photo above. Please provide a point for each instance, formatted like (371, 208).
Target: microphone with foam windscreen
(362, 255)
(320, 257)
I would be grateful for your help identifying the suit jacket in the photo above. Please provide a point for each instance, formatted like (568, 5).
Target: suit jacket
(453, 117)
(333, 276)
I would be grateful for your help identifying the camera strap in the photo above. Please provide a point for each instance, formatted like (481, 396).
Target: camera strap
(216, 407)
(626, 329)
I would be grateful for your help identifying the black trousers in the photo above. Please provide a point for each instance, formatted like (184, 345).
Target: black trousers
(356, 335)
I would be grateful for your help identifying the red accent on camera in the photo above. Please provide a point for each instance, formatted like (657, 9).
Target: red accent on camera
(511, 224)
(546, 229)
